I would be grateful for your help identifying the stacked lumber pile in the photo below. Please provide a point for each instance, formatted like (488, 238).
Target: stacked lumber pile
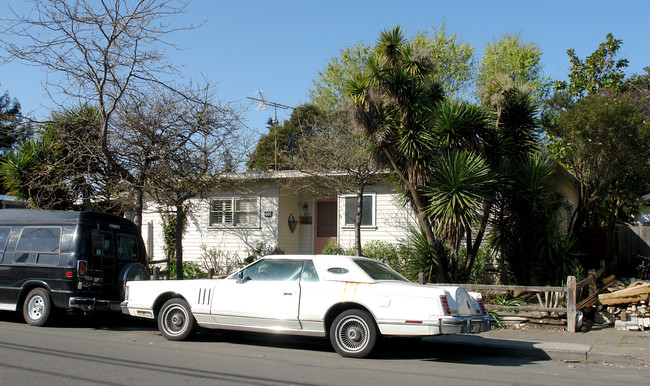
(630, 304)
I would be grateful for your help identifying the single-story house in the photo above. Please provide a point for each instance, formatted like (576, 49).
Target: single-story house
(10, 202)
(262, 208)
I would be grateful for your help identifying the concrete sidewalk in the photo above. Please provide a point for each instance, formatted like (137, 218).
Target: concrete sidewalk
(601, 344)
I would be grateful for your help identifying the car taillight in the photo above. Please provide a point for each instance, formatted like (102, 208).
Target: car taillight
(82, 268)
(483, 309)
(445, 305)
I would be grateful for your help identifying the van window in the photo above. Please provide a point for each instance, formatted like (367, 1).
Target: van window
(4, 236)
(39, 245)
(102, 243)
(127, 247)
(39, 240)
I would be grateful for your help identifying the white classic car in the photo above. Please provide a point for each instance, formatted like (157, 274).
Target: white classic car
(354, 300)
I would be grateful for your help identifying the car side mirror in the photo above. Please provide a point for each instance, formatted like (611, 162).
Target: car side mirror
(240, 277)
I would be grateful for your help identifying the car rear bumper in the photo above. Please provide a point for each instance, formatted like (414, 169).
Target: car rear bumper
(93, 304)
(466, 325)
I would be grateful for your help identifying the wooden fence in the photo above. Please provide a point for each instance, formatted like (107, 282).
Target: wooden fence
(570, 291)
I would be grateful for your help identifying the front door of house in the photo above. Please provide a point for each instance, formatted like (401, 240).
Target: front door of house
(325, 224)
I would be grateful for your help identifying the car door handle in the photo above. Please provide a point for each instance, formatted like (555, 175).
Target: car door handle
(288, 293)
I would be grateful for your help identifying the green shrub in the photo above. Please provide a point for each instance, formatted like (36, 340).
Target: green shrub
(395, 256)
(419, 257)
(260, 250)
(333, 249)
(191, 270)
(222, 263)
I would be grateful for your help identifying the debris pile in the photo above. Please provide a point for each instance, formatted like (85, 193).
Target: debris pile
(629, 305)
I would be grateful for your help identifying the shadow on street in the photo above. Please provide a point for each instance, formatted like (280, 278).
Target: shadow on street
(387, 349)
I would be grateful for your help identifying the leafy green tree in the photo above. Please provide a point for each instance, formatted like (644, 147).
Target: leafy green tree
(596, 123)
(522, 216)
(511, 58)
(605, 142)
(280, 144)
(28, 175)
(12, 127)
(329, 87)
(453, 59)
(453, 62)
(597, 72)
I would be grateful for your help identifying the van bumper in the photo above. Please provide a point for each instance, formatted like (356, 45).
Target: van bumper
(93, 304)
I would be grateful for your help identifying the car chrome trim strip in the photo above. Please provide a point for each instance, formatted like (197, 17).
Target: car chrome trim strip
(8, 307)
(216, 325)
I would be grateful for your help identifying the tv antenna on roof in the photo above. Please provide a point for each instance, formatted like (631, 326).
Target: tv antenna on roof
(262, 103)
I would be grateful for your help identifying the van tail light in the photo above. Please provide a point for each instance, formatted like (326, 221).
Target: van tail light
(483, 309)
(82, 268)
(445, 305)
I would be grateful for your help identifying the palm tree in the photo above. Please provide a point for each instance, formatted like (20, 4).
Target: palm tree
(61, 164)
(29, 174)
(394, 101)
(522, 209)
(460, 184)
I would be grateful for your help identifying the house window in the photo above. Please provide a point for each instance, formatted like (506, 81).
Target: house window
(367, 212)
(235, 212)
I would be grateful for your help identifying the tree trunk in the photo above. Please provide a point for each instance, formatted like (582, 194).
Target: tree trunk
(180, 220)
(137, 207)
(473, 247)
(357, 221)
(139, 197)
(441, 271)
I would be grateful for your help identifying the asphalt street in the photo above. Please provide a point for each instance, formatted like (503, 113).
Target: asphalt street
(113, 350)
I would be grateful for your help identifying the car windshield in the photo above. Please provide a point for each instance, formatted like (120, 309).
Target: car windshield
(378, 271)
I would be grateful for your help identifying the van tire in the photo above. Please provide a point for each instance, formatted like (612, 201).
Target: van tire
(37, 307)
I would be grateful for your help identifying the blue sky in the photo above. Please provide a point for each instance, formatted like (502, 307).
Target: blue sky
(278, 46)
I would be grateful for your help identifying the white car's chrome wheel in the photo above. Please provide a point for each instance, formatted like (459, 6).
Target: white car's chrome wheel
(353, 334)
(175, 320)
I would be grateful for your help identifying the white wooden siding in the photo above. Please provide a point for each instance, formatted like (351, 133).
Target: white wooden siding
(392, 219)
(233, 240)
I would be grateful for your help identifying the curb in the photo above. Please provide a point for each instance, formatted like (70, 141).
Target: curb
(557, 351)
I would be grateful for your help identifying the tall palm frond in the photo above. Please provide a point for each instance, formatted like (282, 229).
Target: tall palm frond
(459, 185)
(460, 125)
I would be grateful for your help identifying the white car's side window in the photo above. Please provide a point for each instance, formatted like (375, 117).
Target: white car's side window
(274, 270)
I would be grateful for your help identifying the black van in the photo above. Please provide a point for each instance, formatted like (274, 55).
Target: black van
(67, 260)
